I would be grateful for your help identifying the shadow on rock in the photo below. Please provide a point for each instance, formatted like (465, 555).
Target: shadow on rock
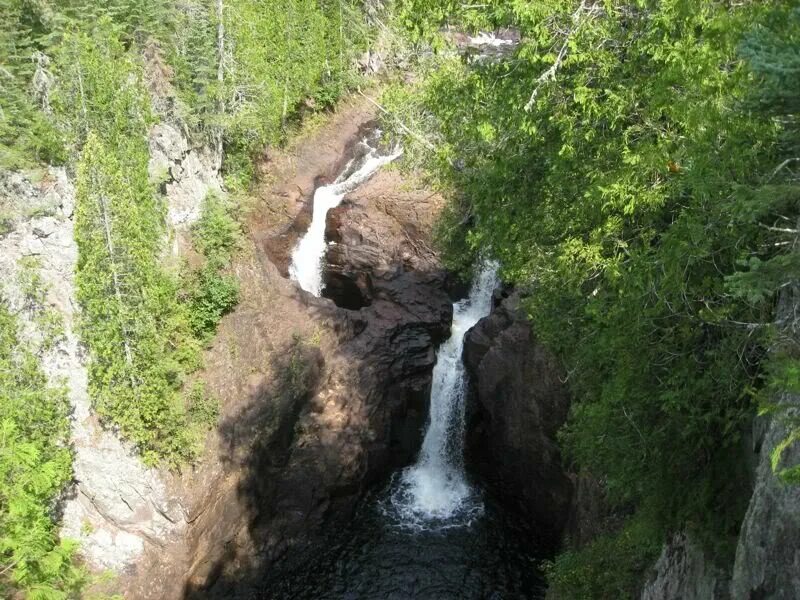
(328, 425)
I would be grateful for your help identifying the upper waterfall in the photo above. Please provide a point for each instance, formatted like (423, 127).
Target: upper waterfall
(308, 255)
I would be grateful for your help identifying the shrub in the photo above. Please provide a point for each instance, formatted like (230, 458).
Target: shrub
(610, 567)
(211, 293)
(35, 466)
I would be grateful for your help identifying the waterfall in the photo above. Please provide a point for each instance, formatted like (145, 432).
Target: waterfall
(436, 487)
(308, 255)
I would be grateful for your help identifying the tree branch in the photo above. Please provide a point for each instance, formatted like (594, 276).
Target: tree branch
(402, 126)
(550, 73)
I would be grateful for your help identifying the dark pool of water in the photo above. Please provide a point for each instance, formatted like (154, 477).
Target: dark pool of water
(488, 557)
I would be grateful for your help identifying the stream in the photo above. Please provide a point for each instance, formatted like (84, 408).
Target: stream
(428, 531)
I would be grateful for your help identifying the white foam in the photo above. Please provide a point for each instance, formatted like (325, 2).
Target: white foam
(307, 257)
(436, 489)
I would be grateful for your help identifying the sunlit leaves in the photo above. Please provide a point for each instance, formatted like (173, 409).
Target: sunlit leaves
(35, 465)
(628, 199)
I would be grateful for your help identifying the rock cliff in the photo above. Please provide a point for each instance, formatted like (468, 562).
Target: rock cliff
(519, 402)
(767, 562)
(116, 506)
(768, 553)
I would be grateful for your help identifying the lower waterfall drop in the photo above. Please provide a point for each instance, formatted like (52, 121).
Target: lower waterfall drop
(435, 492)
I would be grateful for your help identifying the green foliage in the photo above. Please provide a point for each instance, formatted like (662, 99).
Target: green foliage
(212, 293)
(217, 233)
(279, 59)
(101, 90)
(35, 466)
(285, 54)
(137, 333)
(609, 567)
(73, 85)
(424, 18)
(49, 322)
(771, 50)
(26, 134)
(211, 296)
(203, 408)
(636, 193)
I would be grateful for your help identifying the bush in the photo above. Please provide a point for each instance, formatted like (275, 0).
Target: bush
(202, 407)
(217, 233)
(211, 293)
(608, 568)
(35, 466)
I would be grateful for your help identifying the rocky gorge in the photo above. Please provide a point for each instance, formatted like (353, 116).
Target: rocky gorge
(323, 398)
(321, 401)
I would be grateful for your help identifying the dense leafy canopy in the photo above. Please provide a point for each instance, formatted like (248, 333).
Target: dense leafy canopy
(82, 80)
(81, 83)
(633, 166)
(626, 166)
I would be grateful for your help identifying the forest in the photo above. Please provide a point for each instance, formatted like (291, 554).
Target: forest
(633, 167)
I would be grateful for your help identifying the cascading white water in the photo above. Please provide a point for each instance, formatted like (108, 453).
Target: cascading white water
(436, 487)
(307, 256)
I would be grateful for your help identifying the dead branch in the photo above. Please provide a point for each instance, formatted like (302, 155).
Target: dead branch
(578, 19)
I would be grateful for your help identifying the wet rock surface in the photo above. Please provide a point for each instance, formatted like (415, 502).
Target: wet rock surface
(518, 403)
(289, 179)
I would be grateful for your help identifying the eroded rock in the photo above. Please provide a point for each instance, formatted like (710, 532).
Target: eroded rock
(319, 402)
(518, 403)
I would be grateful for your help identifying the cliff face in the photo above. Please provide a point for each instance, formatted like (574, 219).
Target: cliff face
(768, 553)
(116, 506)
(519, 402)
(684, 571)
(767, 562)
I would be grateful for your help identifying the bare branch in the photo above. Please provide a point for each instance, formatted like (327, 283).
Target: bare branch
(402, 126)
(578, 20)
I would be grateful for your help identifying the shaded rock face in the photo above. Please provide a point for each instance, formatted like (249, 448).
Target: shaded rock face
(518, 403)
(684, 571)
(322, 398)
(346, 416)
(767, 561)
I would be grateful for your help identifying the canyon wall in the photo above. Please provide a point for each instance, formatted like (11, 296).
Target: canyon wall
(518, 402)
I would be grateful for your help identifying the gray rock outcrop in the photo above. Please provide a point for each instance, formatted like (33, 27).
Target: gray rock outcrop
(683, 571)
(768, 553)
(116, 506)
